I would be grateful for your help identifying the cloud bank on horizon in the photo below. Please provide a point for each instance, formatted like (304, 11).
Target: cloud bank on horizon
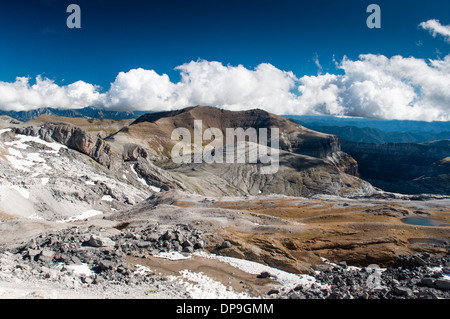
(373, 86)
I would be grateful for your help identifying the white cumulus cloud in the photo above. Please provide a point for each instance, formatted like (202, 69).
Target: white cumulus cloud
(373, 86)
(202, 82)
(379, 87)
(435, 28)
(20, 95)
(140, 89)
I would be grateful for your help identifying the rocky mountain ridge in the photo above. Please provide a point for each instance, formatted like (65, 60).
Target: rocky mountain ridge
(87, 112)
(312, 162)
(294, 138)
(409, 168)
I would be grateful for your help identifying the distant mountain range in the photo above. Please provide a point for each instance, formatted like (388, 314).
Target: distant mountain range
(376, 131)
(349, 129)
(384, 125)
(374, 135)
(87, 112)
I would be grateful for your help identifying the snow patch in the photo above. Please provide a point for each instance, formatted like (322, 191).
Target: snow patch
(440, 269)
(107, 198)
(155, 189)
(22, 191)
(5, 130)
(200, 286)
(20, 143)
(79, 270)
(143, 181)
(140, 179)
(86, 214)
(35, 216)
(15, 152)
(35, 157)
(174, 255)
(18, 163)
(142, 270)
(349, 268)
(288, 280)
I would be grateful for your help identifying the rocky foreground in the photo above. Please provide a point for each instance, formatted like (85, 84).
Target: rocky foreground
(91, 262)
(415, 277)
(93, 258)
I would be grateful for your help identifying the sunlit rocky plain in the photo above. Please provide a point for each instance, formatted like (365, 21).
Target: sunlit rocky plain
(104, 195)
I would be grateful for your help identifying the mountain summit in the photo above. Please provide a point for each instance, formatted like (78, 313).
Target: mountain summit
(310, 162)
(154, 131)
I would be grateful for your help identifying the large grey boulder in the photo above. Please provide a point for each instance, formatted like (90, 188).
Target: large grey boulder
(99, 241)
(403, 291)
(226, 244)
(443, 284)
(46, 255)
(105, 264)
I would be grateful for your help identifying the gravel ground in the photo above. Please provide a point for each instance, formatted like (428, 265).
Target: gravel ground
(90, 263)
(413, 277)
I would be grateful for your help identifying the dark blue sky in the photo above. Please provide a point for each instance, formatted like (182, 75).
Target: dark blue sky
(122, 35)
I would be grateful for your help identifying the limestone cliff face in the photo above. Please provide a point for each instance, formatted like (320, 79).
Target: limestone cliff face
(320, 146)
(404, 167)
(99, 150)
(77, 139)
(298, 175)
(326, 147)
(392, 161)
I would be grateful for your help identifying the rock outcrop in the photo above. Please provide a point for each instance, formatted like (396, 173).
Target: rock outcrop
(77, 139)
(6, 121)
(101, 151)
(417, 280)
(404, 167)
(153, 132)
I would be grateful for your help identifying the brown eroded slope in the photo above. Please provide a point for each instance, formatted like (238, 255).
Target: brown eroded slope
(310, 162)
(294, 233)
(153, 132)
(360, 232)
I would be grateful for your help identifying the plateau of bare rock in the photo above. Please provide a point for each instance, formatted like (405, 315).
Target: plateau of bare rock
(6, 121)
(95, 208)
(96, 126)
